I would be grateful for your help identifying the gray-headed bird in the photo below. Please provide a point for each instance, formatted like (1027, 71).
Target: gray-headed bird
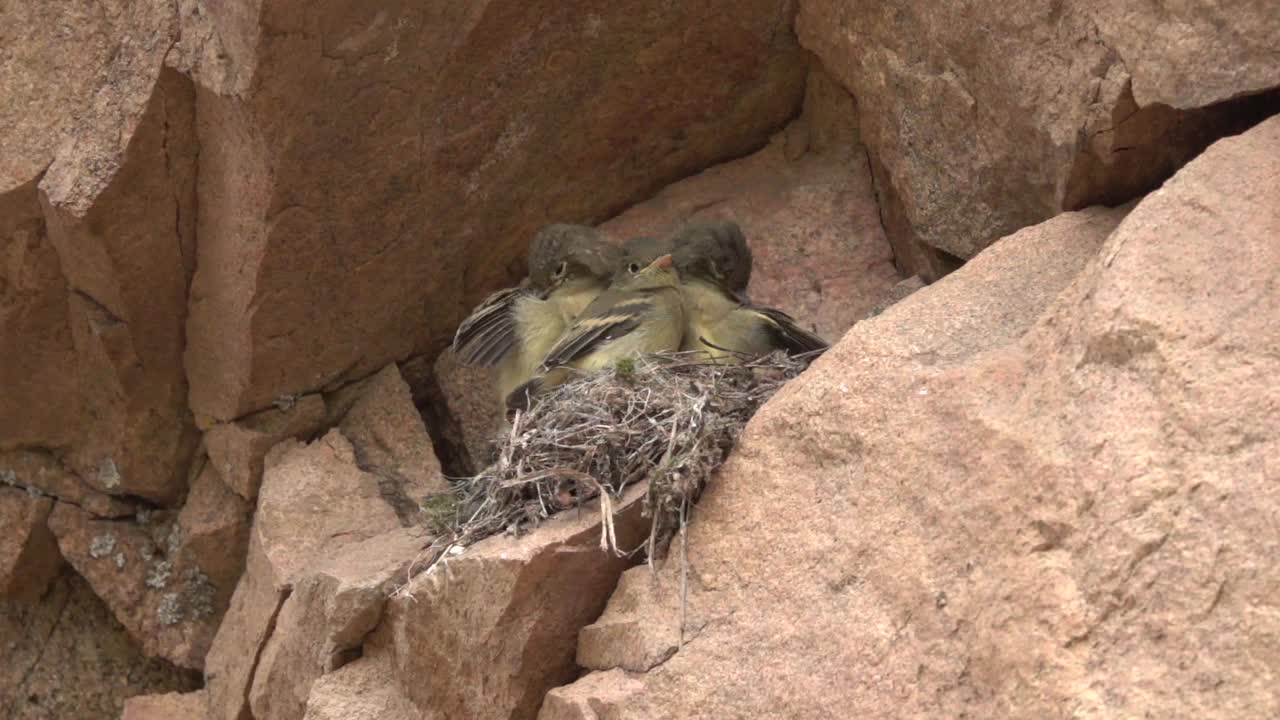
(719, 321)
(569, 266)
(641, 312)
(732, 254)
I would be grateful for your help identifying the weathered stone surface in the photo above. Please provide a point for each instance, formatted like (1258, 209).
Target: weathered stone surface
(465, 128)
(468, 395)
(29, 557)
(326, 618)
(490, 632)
(41, 471)
(67, 657)
(1062, 507)
(122, 221)
(819, 252)
(169, 706)
(591, 698)
(391, 441)
(1188, 55)
(237, 449)
(362, 690)
(313, 502)
(40, 400)
(640, 627)
(169, 594)
(982, 119)
(897, 293)
(57, 57)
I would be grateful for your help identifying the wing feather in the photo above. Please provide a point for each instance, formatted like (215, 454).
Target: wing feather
(488, 333)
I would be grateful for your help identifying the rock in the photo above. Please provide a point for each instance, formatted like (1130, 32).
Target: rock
(819, 252)
(488, 633)
(391, 441)
(594, 696)
(237, 449)
(169, 706)
(982, 119)
(469, 397)
(359, 691)
(640, 627)
(40, 471)
(1063, 505)
(29, 558)
(40, 404)
(326, 618)
(896, 293)
(67, 657)
(169, 595)
(313, 502)
(1192, 56)
(119, 203)
(563, 116)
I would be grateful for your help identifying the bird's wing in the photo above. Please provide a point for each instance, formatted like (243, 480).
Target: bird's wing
(594, 329)
(787, 334)
(489, 332)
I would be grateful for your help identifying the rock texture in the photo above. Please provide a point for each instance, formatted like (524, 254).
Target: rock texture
(359, 691)
(806, 206)
(236, 449)
(169, 706)
(464, 128)
(1056, 508)
(314, 502)
(67, 657)
(598, 695)
(983, 118)
(499, 618)
(29, 557)
(168, 580)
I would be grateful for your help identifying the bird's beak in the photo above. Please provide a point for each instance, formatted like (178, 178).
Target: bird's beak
(662, 263)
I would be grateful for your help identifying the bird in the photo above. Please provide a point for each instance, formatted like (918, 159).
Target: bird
(641, 312)
(719, 321)
(727, 234)
(569, 265)
(732, 254)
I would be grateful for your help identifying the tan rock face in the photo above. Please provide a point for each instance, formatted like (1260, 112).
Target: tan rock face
(168, 582)
(67, 657)
(1059, 506)
(41, 471)
(498, 617)
(169, 706)
(359, 691)
(978, 117)
(237, 449)
(326, 617)
(96, 219)
(29, 557)
(314, 501)
(819, 252)
(1193, 55)
(595, 696)
(516, 114)
(391, 441)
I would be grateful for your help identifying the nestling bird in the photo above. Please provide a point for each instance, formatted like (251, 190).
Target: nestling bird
(641, 312)
(735, 255)
(569, 265)
(719, 321)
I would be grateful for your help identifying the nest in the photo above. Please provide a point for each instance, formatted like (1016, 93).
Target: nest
(670, 419)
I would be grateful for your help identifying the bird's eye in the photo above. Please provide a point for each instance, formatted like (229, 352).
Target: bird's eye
(561, 269)
(633, 267)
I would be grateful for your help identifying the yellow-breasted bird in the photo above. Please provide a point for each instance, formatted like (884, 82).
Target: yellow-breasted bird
(719, 321)
(569, 265)
(641, 312)
(735, 255)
